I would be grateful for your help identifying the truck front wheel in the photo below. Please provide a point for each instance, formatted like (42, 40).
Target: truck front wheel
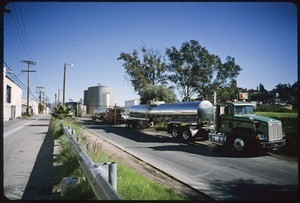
(239, 144)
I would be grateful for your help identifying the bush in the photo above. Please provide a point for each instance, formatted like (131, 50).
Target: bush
(60, 111)
(273, 108)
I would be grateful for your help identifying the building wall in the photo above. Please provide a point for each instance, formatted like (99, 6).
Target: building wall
(13, 108)
(34, 106)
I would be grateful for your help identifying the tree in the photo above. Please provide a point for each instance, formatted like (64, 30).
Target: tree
(191, 67)
(262, 95)
(287, 93)
(148, 69)
(261, 88)
(157, 92)
(194, 70)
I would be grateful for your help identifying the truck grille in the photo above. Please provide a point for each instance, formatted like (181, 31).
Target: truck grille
(275, 131)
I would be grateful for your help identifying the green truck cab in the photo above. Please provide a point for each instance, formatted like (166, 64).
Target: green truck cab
(239, 128)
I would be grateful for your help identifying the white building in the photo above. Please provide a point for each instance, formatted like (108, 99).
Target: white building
(33, 107)
(12, 98)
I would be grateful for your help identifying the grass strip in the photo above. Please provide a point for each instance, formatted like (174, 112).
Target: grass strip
(132, 185)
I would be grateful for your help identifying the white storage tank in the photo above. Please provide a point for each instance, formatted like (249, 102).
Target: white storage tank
(97, 97)
(105, 99)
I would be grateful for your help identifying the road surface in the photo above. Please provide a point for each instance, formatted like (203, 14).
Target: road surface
(218, 173)
(28, 159)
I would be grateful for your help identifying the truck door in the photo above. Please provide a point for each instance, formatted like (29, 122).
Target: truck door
(225, 121)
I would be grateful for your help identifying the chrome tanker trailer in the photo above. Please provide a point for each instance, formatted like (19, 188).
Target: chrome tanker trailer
(233, 124)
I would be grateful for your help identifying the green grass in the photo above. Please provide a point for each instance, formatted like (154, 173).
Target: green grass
(131, 185)
(69, 166)
(277, 114)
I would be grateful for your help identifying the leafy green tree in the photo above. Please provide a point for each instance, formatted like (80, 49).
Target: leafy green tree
(157, 92)
(194, 70)
(190, 67)
(142, 70)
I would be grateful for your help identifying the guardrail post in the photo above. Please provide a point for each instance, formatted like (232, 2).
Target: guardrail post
(78, 140)
(109, 171)
(112, 174)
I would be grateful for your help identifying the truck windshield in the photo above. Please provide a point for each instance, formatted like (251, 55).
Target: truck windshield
(243, 110)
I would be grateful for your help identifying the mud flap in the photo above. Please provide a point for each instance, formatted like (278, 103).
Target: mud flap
(193, 131)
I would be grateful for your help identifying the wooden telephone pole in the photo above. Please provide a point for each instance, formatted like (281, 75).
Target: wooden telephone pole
(28, 71)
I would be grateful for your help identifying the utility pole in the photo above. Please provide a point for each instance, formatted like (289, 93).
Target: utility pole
(58, 102)
(40, 90)
(28, 71)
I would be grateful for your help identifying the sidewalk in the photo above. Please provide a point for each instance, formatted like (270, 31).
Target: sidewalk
(28, 159)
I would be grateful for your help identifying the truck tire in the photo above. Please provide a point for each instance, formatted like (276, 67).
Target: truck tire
(242, 141)
(175, 132)
(239, 144)
(187, 135)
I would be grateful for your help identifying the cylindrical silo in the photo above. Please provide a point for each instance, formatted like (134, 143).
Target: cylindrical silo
(106, 99)
(85, 98)
(98, 97)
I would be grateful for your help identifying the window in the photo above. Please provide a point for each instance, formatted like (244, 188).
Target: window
(243, 110)
(8, 94)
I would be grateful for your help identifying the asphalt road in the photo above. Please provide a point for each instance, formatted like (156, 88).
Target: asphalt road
(215, 171)
(28, 159)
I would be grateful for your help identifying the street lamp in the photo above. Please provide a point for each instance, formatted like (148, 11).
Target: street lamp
(64, 88)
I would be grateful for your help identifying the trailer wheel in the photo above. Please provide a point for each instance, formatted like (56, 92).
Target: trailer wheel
(175, 133)
(187, 135)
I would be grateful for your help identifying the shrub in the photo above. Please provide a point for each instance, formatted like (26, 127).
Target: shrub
(273, 108)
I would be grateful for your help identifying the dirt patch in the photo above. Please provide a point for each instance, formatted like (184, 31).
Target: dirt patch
(145, 169)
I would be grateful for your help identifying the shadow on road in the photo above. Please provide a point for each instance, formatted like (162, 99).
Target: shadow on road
(250, 190)
(42, 177)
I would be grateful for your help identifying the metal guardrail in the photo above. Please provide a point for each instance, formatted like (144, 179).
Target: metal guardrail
(103, 189)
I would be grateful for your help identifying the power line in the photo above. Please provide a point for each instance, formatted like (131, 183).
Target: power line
(18, 32)
(23, 37)
(18, 81)
(25, 32)
(16, 77)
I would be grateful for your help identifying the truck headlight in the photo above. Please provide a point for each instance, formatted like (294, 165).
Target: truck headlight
(262, 137)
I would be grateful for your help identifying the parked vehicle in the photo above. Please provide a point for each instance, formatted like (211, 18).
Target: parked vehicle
(99, 114)
(233, 124)
(111, 115)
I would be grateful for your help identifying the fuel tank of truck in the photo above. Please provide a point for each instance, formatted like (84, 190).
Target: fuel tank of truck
(181, 111)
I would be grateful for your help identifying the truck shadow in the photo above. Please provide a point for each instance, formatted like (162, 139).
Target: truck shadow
(170, 144)
(250, 190)
(41, 180)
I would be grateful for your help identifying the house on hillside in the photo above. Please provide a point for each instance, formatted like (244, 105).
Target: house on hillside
(12, 98)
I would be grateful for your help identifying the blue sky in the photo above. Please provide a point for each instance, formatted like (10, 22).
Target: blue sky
(262, 37)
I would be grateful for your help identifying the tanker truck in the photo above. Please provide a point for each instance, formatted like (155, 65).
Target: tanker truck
(232, 124)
